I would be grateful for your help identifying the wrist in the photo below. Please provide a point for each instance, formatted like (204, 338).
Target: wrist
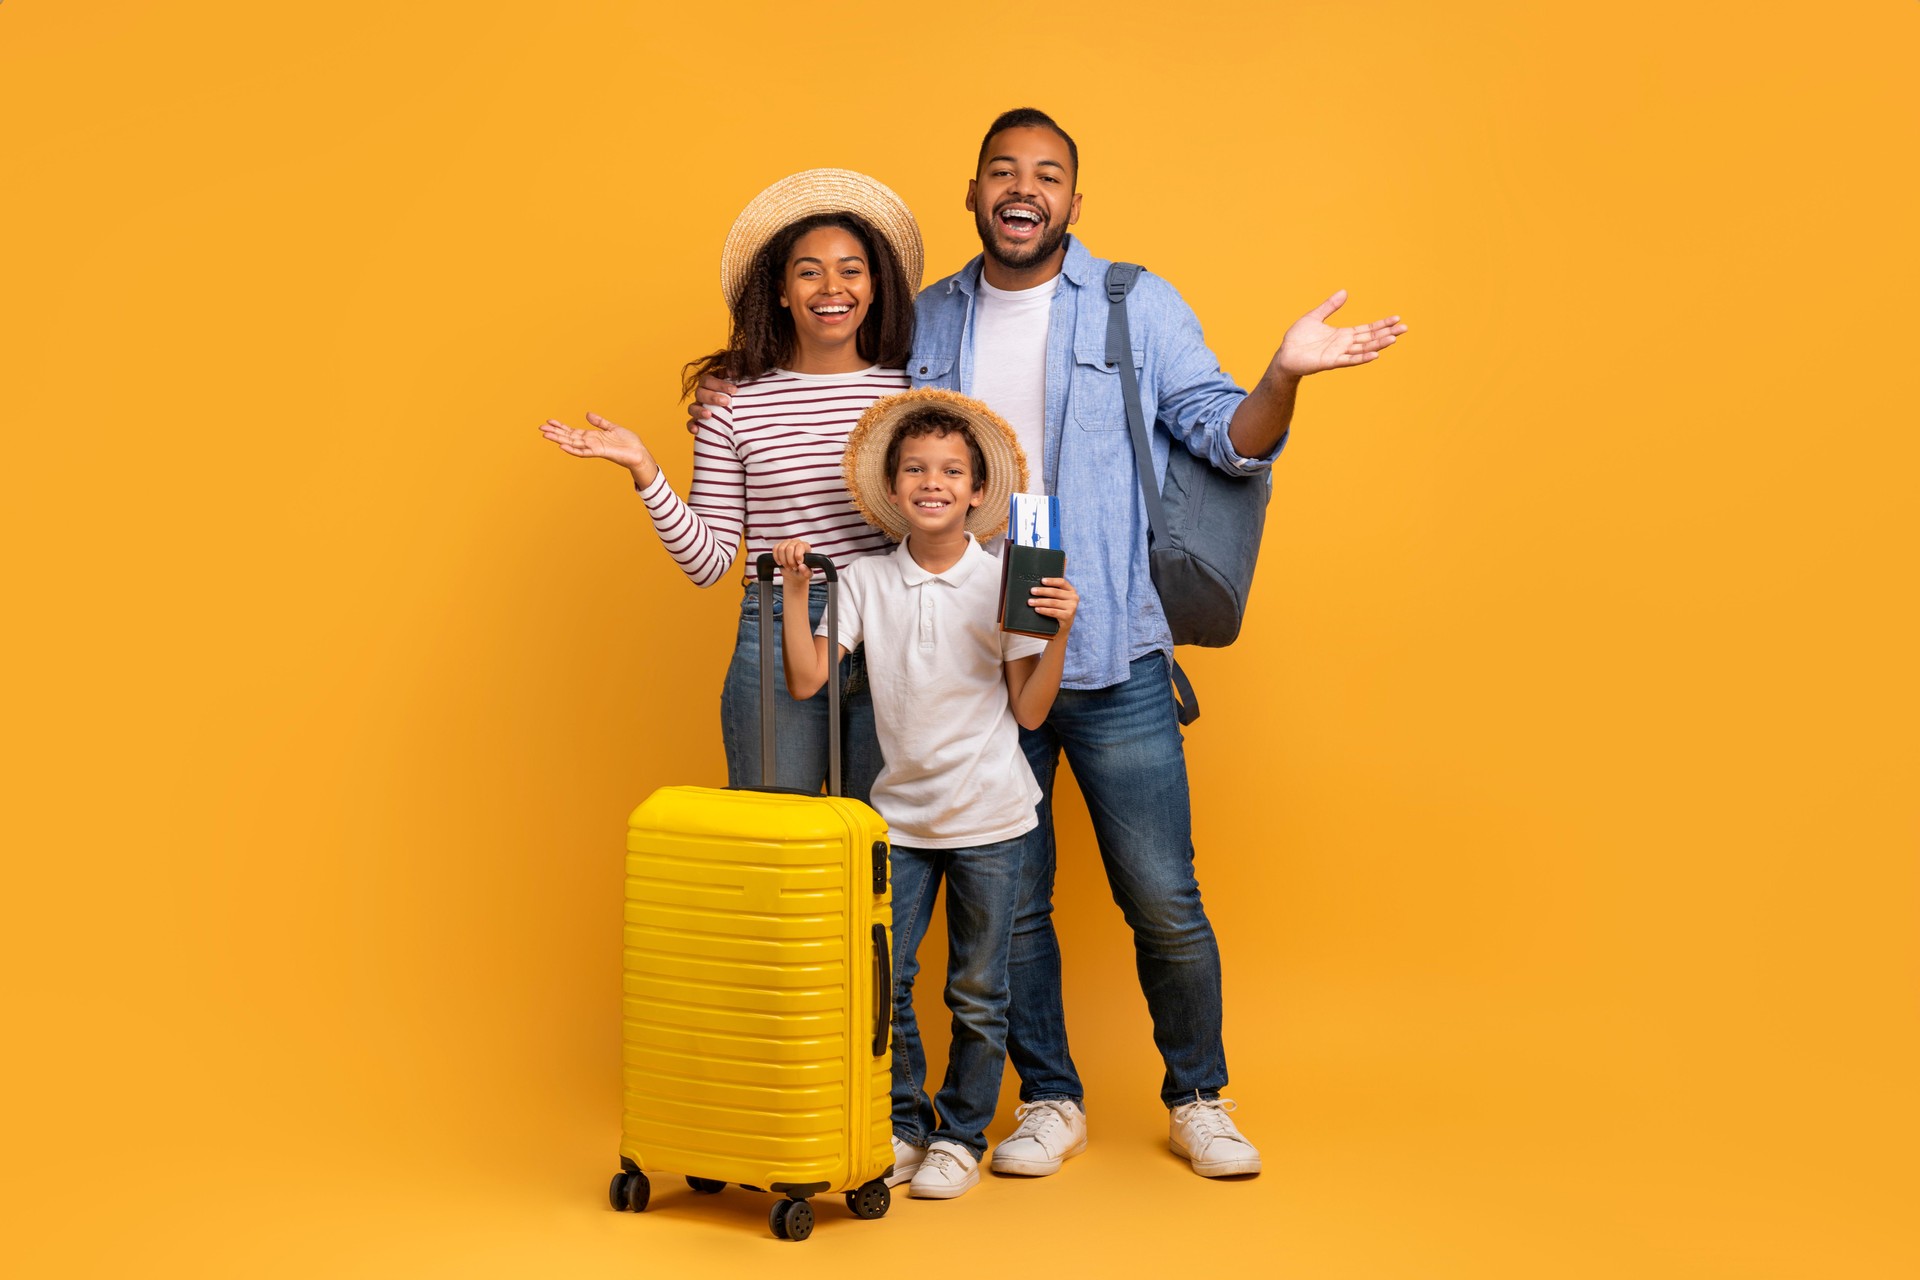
(645, 470)
(1279, 379)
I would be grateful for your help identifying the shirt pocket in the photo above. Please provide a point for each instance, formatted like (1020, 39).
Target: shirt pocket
(933, 369)
(1096, 394)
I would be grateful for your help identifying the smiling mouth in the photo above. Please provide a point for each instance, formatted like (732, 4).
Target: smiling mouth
(1020, 222)
(833, 312)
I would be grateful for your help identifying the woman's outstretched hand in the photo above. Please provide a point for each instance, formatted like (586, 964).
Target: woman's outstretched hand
(607, 440)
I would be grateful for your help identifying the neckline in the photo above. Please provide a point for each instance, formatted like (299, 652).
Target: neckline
(784, 372)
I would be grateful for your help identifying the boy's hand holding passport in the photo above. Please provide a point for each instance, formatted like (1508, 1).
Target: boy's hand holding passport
(1031, 605)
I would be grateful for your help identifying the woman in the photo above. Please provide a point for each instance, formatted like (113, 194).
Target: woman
(819, 273)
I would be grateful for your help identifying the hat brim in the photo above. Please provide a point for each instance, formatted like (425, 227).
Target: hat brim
(865, 462)
(817, 191)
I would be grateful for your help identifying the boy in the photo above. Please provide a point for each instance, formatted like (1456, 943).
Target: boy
(935, 469)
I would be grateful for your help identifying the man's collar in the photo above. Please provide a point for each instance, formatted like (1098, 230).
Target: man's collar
(1077, 267)
(953, 575)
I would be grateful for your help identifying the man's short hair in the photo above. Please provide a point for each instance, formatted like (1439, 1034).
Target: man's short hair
(1027, 118)
(932, 420)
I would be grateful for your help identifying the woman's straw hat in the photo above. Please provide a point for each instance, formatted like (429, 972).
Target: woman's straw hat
(865, 465)
(802, 195)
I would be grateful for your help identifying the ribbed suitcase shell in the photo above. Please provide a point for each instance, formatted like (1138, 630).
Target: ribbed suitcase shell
(756, 1013)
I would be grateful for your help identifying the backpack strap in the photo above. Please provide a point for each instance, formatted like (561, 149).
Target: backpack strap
(1120, 280)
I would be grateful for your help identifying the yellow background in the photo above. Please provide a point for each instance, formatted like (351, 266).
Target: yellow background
(1556, 813)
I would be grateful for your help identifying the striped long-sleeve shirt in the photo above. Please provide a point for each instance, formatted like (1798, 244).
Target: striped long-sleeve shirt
(769, 466)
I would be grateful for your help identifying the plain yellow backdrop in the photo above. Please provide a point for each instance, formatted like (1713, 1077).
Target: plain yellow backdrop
(1556, 813)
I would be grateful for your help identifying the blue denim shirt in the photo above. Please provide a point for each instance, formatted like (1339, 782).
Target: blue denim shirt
(1089, 451)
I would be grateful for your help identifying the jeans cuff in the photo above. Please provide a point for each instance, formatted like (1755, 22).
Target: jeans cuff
(1198, 1095)
(1058, 1097)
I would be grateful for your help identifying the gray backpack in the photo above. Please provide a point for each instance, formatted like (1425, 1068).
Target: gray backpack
(1205, 526)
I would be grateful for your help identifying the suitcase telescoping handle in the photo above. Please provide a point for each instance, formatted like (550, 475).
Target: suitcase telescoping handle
(765, 569)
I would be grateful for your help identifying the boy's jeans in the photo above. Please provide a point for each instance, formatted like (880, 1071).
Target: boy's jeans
(983, 883)
(800, 728)
(1124, 745)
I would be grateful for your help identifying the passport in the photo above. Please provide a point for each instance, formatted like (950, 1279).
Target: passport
(1021, 569)
(1032, 552)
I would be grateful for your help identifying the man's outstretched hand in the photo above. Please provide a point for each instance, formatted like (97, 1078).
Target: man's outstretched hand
(1312, 345)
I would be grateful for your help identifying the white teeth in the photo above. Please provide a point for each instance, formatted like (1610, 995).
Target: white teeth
(1026, 214)
(831, 311)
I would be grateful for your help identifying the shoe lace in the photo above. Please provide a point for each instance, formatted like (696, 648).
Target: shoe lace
(1208, 1117)
(1035, 1118)
(939, 1163)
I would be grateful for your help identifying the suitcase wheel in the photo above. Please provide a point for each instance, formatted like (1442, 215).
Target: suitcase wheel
(629, 1191)
(706, 1186)
(791, 1219)
(871, 1200)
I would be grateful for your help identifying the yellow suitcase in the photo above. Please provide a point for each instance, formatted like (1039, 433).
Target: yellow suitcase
(758, 992)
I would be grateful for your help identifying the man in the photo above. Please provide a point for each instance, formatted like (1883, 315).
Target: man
(1024, 327)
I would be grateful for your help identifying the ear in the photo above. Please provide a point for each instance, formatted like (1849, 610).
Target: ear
(979, 496)
(1073, 209)
(972, 183)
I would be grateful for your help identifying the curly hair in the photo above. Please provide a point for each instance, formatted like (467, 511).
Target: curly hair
(762, 336)
(932, 420)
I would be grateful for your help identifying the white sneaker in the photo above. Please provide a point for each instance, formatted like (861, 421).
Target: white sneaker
(906, 1162)
(948, 1171)
(1204, 1133)
(1050, 1132)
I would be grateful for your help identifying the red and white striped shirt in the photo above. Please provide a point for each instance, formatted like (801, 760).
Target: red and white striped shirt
(769, 465)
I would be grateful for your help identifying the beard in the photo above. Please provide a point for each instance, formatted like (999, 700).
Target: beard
(1017, 257)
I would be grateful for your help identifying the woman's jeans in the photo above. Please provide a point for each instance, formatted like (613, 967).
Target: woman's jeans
(800, 728)
(1124, 745)
(983, 883)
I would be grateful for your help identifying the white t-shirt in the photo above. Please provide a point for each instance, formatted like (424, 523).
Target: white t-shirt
(955, 775)
(1010, 364)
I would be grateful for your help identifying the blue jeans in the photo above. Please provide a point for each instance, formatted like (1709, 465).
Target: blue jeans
(983, 883)
(800, 728)
(1124, 745)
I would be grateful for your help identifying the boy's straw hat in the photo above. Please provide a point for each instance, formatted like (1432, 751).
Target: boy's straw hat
(865, 465)
(802, 195)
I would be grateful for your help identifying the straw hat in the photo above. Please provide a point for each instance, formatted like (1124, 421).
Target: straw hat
(865, 464)
(802, 195)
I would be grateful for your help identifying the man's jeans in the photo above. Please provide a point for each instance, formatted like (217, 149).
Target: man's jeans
(983, 883)
(1123, 743)
(800, 728)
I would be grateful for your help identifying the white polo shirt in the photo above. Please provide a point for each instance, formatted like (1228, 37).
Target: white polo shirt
(955, 775)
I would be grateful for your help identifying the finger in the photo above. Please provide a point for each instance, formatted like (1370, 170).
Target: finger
(1390, 328)
(1331, 305)
(703, 397)
(601, 424)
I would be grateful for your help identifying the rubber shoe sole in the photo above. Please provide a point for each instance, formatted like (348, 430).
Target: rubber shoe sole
(1216, 1168)
(903, 1174)
(1035, 1168)
(946, 1191)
